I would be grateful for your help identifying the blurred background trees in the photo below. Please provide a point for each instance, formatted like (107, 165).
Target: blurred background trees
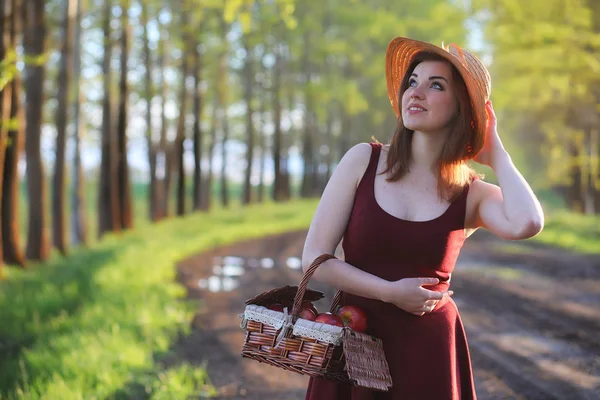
(143, 109)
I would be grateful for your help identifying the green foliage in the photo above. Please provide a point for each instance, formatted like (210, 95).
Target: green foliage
(8, 68)
(571, 231)
(98, 323)
(546, 82)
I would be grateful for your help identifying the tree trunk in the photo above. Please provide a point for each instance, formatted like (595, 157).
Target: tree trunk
(11, 235)
(248, 94)
(78, 215)
(59, 234)
(164, 185)
(5, 105)
(109, 218)
(308, 174)
(198, 145)
(262, 145)
(214, 120)
(278, 193)
(148, 95)
(223, 105)
(34, 23)
(183, 96)
(125, 203)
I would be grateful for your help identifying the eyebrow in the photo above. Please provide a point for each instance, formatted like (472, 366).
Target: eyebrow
(432, 77)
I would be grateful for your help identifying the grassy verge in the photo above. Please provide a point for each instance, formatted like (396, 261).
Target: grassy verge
(571, 231)
(96, 325)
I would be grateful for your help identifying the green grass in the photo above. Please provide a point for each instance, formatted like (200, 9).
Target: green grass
(97, 324)
(571, 231)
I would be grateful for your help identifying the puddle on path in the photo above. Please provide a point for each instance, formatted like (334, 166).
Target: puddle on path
(227, 271)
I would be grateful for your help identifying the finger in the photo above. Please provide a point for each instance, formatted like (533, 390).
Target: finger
(427, 309)
(433, 295)
(428, 281)
(429, 303)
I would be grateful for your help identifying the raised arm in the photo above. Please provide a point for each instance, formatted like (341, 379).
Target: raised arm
(511, 210)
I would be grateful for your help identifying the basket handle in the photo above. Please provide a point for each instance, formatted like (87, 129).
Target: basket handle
(305, 278)
(335, 302)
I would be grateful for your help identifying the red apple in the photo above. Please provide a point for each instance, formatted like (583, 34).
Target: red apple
(307, 313)
(330, 319)
(276, 307)
(309, 305)
(353, 317)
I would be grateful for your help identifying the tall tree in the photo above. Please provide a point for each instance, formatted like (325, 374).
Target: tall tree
(109, 218)
(308, 155)
(279, 181)
(552, 76)
(34, 36)
(248, 94)
(165, 151)
(65, 75)
(148, 95)
(262, 140)
(124, 185)
(11, 240)
(198, 137)
(214, 122)
(183, 99)
(4, 98)
(223, 105)
(78, 215)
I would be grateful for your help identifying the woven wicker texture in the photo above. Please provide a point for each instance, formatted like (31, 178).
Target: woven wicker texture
(359, 360)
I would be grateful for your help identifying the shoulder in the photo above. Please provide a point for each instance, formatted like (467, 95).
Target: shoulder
(357, 157)
(355, 161)
(360, 151)
(479, 190)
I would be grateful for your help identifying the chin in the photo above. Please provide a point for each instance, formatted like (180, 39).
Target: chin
(414, 126)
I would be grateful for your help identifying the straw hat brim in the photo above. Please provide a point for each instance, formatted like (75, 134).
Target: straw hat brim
(400, 53)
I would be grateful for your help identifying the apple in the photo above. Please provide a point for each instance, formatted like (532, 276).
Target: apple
(353, 317)
(276, 307)
(307, 313)
(309, 305)
(330, 319)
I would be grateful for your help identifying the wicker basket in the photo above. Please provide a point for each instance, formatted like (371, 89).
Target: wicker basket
(311, 348)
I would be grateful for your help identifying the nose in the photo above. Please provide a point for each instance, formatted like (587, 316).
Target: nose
(416, 93)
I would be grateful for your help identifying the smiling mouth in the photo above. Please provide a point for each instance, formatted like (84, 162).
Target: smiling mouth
(414, 108)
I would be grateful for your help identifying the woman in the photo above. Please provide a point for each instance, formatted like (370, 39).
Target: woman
(404, 211)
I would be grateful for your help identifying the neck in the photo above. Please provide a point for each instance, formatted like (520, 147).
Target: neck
(426, 149)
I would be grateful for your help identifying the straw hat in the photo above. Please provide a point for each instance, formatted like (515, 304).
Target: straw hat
(400, 52)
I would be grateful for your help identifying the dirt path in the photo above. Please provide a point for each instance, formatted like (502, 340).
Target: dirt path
(531, 315)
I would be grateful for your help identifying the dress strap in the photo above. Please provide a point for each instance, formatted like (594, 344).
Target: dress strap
(374, 160)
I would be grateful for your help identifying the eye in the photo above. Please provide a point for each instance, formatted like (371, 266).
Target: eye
(437, 85)
(412, 82)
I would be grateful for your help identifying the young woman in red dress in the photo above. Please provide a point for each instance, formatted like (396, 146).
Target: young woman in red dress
(404, 210)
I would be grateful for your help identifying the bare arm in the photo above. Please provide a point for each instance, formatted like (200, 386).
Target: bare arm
(328, 226)
(511, 211)
(326, 231)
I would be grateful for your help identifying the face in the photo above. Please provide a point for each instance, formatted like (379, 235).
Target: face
(429, 102)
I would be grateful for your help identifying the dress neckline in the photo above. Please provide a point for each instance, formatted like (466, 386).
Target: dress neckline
(376, 158)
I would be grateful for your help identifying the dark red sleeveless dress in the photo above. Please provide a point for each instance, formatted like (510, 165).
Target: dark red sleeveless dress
(428, 356)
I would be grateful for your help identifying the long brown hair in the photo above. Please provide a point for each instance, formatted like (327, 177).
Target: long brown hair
(454, 172)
